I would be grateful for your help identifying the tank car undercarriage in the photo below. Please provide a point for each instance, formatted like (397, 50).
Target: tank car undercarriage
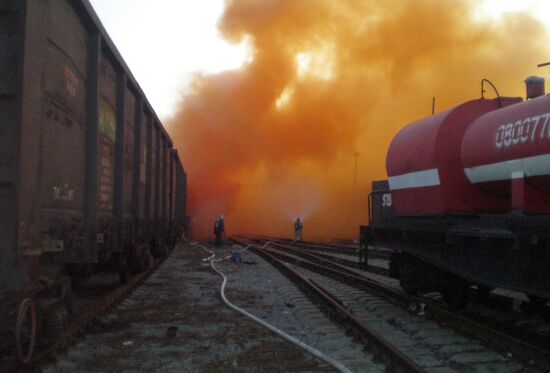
(448, 254)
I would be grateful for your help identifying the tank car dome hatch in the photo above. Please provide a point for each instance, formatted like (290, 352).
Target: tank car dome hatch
(508, 152)
(534, 86)
(425, 168)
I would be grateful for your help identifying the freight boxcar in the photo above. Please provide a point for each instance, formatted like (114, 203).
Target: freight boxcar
(469, 200)
(84, 161)
(180, 223)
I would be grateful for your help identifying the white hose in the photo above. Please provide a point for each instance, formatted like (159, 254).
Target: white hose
(318, 354)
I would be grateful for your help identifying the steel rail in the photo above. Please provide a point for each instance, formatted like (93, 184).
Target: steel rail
(434, 311)
(480, 297)
(393, 358)
(337, 260)
(330, 248)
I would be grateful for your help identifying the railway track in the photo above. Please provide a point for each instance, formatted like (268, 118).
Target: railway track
(526, 348)
(394, 339)
(345, 259)
(393, 359)
(82, 320)
(512, 303)
(374, 252)
(175, 321)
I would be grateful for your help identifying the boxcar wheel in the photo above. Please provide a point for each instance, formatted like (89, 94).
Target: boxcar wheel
(67, 297)
(123, 270)
(135, 262)
(151, 261)
(141, 260)
(56, 323)
(157, 248)
(25, 330)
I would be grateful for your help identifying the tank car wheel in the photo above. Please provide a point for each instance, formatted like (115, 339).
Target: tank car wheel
(455, 292)
(407, 272)
(25, 330)
(538, 302)
(484, 290)
(408, 287)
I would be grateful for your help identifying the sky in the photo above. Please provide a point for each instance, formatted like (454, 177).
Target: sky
(166, 42)
(156, 40)
(285, 108)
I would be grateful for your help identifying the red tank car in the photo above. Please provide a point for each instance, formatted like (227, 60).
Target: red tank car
(508, 152)
(470, 192)
(425, 171)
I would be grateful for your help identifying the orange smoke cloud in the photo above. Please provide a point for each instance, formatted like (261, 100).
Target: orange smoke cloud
(278, 138)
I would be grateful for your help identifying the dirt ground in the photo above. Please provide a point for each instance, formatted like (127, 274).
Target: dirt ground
(176, 322)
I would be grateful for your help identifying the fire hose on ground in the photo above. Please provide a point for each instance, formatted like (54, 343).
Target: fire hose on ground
(318, 354)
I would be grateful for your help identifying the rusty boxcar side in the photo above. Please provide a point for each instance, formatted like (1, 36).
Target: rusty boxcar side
(85, 163)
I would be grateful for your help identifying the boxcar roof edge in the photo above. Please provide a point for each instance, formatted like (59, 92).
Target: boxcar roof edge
(94, 18)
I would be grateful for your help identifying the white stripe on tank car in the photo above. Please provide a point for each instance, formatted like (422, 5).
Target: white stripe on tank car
(418, 179)
(538, 165)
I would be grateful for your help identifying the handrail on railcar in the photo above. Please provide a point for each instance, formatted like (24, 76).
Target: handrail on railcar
(371, 194)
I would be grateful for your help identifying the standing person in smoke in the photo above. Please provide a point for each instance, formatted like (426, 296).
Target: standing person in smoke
(219, 230)
(298, 230)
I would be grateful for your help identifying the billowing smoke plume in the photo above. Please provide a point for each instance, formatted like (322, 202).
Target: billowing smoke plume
(303, 128)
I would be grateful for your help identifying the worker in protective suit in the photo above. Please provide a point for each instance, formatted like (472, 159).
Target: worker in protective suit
(216, 230)
(298, 230)
(219, 230)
